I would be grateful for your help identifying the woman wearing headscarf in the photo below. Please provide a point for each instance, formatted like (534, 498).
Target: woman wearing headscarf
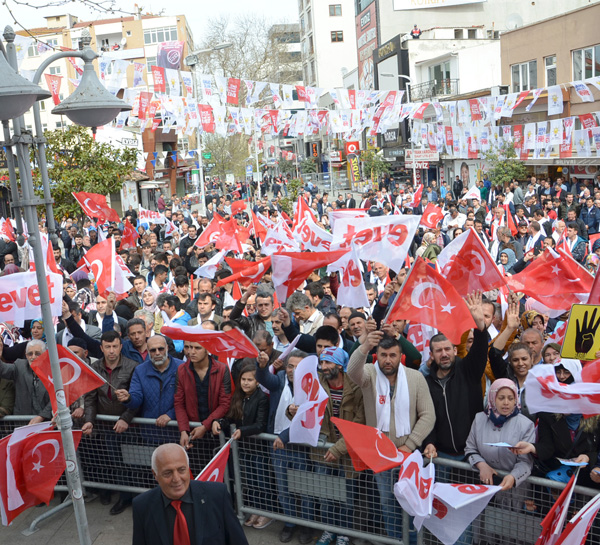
(428, 238)
(564, 436)
(502, 422)
(508, 260)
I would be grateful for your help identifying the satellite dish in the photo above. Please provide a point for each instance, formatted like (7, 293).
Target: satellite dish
(514, 20)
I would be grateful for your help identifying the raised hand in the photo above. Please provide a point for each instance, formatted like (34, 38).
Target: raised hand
(586, 332)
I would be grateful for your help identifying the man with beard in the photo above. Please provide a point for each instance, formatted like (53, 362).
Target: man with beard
(153, 384)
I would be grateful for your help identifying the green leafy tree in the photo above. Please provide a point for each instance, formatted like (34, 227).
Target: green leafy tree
(308, 166)
(503, 165)
(77, 162)
(294, 188)
(374, 165)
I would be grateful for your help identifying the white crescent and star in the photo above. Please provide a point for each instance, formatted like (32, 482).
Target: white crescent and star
(479, 258)
(95, 209)
(415, 296)
(398, 458)
(428, 217)
(76, 370)
(37, 466)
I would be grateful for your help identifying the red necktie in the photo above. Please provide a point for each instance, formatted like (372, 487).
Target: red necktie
(181, 535)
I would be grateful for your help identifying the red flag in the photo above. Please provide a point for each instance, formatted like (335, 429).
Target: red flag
(432, 215)
(249, 272)
(158, 77)
(53, 82)
(207, 117)
(368, 447)
(594, 298)
(233, 90)
(236, 292)
(428, 298)
(237, 207)
(32, 461)
(290, 269)
(215, 469)
(232, 236)
(579, 526)
(553, 279)
(559, 335)
(510, 222)
(95, 206)
(554, 520)
(130, 235)
(100, 259)
(210, 234)
(417, 196)
(468, 266)
(259, 229)
(78, 377)
(224, 344)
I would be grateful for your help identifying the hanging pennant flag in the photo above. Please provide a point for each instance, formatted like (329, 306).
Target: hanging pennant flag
(207, 118)
(233, 90)
(474, 108)
(77, 68)
(53, 83)
(169, 54)
(583, 91)
(536, 94)
(555, 100)
(587, 121)
(158, 78)
(138, 74)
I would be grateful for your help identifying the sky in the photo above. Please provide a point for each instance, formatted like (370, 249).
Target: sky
(276, 11)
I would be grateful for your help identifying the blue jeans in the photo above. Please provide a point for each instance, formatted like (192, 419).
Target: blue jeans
(292, 457)
(444, 474)
(391, 511)
(332, 512)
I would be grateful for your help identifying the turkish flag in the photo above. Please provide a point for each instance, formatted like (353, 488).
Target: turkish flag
(290, 269)
(237, 207)
(223, 344)
(31, 462)
(510, 222)
(417, 196)
(579, 526)
(306, 230)
(130, 235)
(432, 215)
(368, 447)
(78, 377)
(246, 273)
(170, 229)
(95, 206)
(100, 259)
(559, 334)
(553, 522)
(468, 266)
(43, 462)
(594, 298)
(210, 234)
(553, 279)
(215, 469)
(232, 236)
(427, 297)
(258, 228)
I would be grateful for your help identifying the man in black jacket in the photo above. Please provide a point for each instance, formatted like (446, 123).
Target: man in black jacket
(455, 387)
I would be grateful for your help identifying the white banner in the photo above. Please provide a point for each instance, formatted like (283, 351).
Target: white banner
(385, 239)
(311, 235)
(414, 489)
(449, 520)
(150, 216)
(351, 291)
(546, 394)
(20, 296)
(311, 399)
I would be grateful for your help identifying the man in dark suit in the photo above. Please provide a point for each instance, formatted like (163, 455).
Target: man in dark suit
(350, 201)
(181, 511)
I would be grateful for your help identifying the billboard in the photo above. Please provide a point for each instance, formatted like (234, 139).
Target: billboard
(366, 43)
(400, 5)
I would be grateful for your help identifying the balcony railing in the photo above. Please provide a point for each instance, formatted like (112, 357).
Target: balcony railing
(433, 89)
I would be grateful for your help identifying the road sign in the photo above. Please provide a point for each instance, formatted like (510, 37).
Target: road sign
(582, 338)
(207, 155)
(248, 171)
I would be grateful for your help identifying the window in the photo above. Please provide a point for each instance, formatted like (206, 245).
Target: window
(337, 36)
(335, 10)
(42, 104)
(53, 42)
(493, 34)
(55, 70)
(158, 35)
(524, 76)
(472, 33)
(32, 51)
(150, 62)
(60, 125)
(586, 63)
(458, 33)
(550, 65)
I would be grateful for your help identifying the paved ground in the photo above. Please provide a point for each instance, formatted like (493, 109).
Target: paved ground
(105, 529)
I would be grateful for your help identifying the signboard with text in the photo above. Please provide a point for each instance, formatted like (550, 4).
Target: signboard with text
(366, 43)
(422, 155)
(400, 5)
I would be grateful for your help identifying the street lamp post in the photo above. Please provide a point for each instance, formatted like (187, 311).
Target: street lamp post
(91, 105)
(192, 61)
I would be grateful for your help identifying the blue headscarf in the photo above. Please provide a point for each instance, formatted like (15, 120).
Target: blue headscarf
(336, 355)
(511, 259)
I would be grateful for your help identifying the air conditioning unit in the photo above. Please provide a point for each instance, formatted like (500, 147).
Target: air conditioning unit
(498, 90)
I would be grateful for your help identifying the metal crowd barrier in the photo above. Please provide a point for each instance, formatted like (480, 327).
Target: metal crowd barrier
(295, 485)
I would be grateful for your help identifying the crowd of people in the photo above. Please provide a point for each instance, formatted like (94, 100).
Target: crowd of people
(450, 401)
